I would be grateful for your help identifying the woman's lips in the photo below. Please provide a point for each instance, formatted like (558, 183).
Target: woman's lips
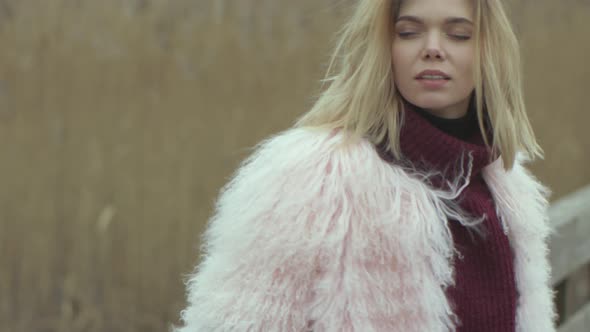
(432, 83)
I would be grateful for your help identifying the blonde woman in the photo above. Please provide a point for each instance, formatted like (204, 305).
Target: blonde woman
(399, 202)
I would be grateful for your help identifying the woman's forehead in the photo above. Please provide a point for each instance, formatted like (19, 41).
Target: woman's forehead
(437, 9)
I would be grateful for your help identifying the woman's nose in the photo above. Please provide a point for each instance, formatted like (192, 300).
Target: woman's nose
(433, 49)
(433, 53)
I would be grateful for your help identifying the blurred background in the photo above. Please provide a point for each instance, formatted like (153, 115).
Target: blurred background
(121, 119)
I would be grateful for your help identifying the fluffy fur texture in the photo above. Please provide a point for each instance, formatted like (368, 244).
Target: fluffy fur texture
(309, 236)
(522, 202)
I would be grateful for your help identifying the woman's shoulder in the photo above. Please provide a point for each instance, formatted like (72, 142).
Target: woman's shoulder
(303, 157)
(311, 141)
(303, 148)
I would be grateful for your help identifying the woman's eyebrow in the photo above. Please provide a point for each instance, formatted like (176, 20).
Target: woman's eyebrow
(453, 20)
(448, 20)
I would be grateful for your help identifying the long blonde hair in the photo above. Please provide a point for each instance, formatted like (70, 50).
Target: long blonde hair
(360, 94)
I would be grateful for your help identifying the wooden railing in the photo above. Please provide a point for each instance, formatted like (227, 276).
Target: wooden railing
(570, 252)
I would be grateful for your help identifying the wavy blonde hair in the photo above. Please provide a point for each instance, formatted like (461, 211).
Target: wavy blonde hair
(359, 92)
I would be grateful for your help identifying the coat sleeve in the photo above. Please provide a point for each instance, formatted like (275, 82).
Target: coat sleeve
(306, 237)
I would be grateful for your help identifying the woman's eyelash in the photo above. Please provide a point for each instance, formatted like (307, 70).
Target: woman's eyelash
(459, 37)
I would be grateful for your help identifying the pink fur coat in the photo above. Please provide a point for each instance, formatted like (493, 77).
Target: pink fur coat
(308, 236)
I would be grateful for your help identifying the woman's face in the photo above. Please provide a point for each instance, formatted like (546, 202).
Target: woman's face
(433, 55)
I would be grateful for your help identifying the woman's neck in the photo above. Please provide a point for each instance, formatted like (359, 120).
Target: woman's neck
(455, 111)
(461, 128)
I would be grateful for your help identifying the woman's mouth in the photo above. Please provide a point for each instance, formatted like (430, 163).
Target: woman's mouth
(432, 81)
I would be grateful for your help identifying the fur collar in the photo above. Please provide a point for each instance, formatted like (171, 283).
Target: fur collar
(522, 203)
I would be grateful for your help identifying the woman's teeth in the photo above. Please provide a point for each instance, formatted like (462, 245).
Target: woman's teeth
(432, 77)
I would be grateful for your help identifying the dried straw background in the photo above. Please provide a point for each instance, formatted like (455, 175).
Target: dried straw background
(120, 120)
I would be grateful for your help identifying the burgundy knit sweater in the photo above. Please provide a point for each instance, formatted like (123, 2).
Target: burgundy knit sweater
(484, 294)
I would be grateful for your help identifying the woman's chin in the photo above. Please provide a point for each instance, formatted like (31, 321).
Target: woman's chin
(432, 104)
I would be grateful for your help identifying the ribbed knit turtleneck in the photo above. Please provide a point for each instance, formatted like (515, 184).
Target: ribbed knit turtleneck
(484, 294)
(425, 142)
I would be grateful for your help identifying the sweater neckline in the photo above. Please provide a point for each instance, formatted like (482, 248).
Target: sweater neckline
(461, 128)
(426, 148)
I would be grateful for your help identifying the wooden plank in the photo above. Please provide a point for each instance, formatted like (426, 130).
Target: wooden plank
(576, 292)
(579, 322)
(570, 245)
(570, 206)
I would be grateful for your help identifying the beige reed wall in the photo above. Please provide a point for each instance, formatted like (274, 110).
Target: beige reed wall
(120, 121)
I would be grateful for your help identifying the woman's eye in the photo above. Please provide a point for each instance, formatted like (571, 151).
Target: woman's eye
(460, 37)
(406, 34)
